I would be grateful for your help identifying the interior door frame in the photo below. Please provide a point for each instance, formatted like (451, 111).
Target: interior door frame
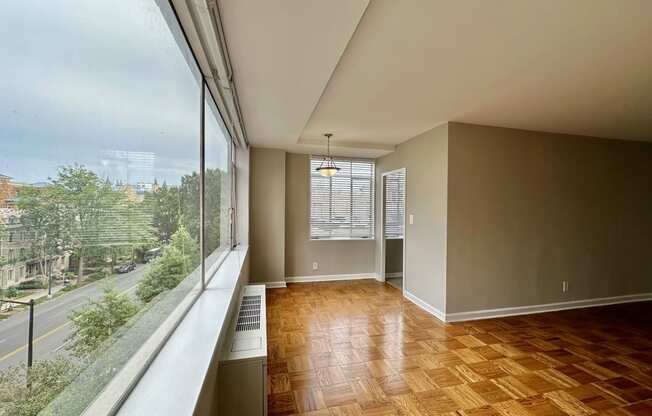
(382, 225)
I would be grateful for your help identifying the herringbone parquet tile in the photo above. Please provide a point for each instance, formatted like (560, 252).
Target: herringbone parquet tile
(359, 348)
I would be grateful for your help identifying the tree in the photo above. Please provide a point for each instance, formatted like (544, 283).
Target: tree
(81, 212)
(46, 380)
(213, 204)
(180, 205)
(3, 262)
(84, 198)
(166, 209)
(179, 259)
(99, 320)
(43, 217)
(124, 221)
(189, 203)
(216, 198)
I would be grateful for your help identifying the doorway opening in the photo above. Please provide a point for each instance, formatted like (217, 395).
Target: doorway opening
(393, 246)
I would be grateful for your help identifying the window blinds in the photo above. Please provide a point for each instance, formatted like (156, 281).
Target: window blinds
(342, 206)
(394, 204)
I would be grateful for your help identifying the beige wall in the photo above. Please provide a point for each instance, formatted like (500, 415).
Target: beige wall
(267, 215)
(394, 255)
(425, 158)
(334, 257)
(527, 210)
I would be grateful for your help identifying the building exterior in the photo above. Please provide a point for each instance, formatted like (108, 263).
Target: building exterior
(137, 192)
(19, 260)
(7, 191)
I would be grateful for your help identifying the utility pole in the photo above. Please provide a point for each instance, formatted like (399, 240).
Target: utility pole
(30, 336)
(49, 269)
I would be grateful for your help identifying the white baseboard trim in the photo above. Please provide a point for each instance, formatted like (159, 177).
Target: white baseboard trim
(524, 310)
(425, 306)
(274, 285)
(390, 275)
(329, 277)
(546, 307)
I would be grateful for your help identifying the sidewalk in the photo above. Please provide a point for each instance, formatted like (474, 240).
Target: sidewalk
(6, 306)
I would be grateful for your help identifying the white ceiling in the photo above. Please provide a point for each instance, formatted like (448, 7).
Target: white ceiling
(283, 52)
(303, 69)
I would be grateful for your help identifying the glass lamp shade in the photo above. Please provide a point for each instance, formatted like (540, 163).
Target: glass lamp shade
(327, 170)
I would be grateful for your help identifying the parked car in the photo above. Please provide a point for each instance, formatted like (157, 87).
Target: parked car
(152, 254)
(126, 268)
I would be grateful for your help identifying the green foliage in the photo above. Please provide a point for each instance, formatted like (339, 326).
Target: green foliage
(11, 293)
(3, 260)
(31, 284)
(43, 214)
(96, 214)
(98, 275)
(179, 259)
(166, 211)
(173, 206)
(46, 380)
(189, 203)
(99, 320)
(187, 246)
(216, 200)
(70, 288)
(81, 212)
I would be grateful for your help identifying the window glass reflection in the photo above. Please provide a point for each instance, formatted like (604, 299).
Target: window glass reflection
(99, 191)
(217, 183)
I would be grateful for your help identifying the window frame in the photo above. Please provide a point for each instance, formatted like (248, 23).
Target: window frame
(118, 388)
(401, 224)
(207, 94)
(372, 188)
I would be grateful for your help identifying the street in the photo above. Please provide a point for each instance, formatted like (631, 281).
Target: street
(51, 324)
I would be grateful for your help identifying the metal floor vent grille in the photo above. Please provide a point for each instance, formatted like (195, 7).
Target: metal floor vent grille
(249, 314)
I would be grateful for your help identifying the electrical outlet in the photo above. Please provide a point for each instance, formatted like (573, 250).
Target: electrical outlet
(315, 266)
(564, 286)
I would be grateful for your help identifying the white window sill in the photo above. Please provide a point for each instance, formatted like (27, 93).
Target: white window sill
(173, 382)
(342, 239)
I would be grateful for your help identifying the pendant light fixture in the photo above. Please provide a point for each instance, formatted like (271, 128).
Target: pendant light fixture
(327, 167)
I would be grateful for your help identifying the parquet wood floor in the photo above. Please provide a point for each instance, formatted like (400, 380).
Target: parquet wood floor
(359, 348)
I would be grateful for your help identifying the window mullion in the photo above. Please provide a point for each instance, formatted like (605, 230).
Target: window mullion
(351, 202)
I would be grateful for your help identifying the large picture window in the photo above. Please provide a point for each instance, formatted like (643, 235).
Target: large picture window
(101, 177)
(342, 206)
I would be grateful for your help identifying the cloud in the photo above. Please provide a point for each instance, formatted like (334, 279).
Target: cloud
(82, 79)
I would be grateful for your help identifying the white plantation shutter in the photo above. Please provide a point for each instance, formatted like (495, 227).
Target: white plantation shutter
(342, 206)
(394, 204)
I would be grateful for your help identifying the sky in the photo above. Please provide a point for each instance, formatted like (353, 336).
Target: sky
(100, 83)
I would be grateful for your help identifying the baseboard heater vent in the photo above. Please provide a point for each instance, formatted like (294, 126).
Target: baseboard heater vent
(242, 372)
(249, 314)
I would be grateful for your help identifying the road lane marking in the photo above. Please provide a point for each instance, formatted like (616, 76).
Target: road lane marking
(47, 334)
(60, 347)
